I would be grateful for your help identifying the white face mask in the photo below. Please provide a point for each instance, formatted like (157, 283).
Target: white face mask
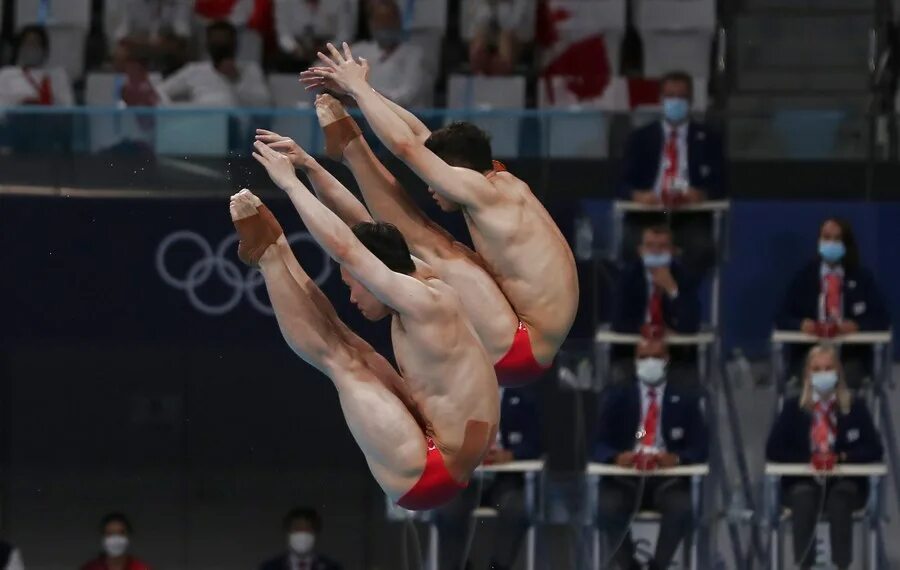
(824, 382)
(650, 371)
(301, 542)
(115, 545)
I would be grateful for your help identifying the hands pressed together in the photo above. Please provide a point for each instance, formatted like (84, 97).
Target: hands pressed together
(647, 461)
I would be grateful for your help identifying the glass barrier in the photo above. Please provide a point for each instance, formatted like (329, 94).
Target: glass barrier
(173, 147)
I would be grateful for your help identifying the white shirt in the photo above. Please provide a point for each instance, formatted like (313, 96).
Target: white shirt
(15, 561)
(399, 75)
(332, 20)
(200, 84)
(517, 16)
(682, 177)
(16, 89)
(149, 17)
(824, 271)
(645, 405)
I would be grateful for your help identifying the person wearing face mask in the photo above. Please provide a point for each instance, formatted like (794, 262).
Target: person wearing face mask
(304, 27)
(656, 293)
(115, 544)
(824, 426)
(397, 65)
(302, 526)
(835, 295)
(676, 160)
(29, 81)
(497, 31)
(221, 80)
(648, 423)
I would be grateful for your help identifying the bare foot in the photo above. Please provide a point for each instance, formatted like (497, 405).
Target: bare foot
(329, 109)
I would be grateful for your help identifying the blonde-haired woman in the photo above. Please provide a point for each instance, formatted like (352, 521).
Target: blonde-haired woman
(825, 425)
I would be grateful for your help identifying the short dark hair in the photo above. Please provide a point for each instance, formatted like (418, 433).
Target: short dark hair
(222, 26)
(657, 229)
(307, 514)
(679, 77)
(851, 247)
(462, 144)
(388, 245)
(35, 29)
(116, 517)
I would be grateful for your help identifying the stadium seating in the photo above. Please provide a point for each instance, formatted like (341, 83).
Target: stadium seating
(677, 34)
(495, 93)
(67, 25)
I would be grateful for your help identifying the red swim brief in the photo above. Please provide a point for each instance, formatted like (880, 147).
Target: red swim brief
(518, 366)
(435, 487)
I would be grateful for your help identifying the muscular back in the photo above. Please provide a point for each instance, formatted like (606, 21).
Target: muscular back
(529, 258)
(448, 372)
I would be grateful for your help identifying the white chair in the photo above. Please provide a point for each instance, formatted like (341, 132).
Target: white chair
(302, 126)
(677, 34)
(579, 135)
(76, 13)
(114, 127)
(468, 92)
(185, 132)
(426, 23)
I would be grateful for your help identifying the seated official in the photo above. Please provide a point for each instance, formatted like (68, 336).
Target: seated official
(834, 295)
(520, 439)
(301, 528)
(648, 424)
(656, 294)
(10, 557)
(116, 531)
(825, 426)
(676, 161)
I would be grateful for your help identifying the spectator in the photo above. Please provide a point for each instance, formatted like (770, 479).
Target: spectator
(28, 81)
(834, 295)
(825, 426)
(498, 33)
(676, 159)
(10, 557)
(656, 293)
(161, 27)
(398, 69)
(221, 81)
(137, 89)
(302, 527)
(305, 26)
(238, 12)
(520, 439)
(116, 531)
(670, 431)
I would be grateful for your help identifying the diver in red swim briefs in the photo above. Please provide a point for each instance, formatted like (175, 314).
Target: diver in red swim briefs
(520, 289)
(422, 433)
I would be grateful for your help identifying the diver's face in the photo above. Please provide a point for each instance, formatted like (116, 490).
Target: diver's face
(367, 303)
(444, 204)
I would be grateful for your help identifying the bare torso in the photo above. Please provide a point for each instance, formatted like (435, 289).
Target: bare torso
(450, 377)
(530, 260)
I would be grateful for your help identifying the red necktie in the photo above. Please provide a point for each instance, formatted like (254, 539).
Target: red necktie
(44, 90)
(822, 429)
(656, 308)
(832, 297)
(651, 419)
(671, 170)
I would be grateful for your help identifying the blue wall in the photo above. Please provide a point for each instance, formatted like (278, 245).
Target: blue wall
(770, 241)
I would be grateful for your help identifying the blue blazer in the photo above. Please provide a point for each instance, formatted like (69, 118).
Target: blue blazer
(283, 563)
(643, 153)
(520, 423)
(863, 302)
(619, 417)
(856, 435)
(630, 300)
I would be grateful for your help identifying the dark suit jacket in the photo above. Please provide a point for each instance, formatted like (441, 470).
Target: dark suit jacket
(856, 435)
(863, 302)
(706, 161)
(5, 553)
(619, 417)
(283, 563)
(520, 423)
(630, 300)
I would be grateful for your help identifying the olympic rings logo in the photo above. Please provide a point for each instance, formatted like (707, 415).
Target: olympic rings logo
(214, 264)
